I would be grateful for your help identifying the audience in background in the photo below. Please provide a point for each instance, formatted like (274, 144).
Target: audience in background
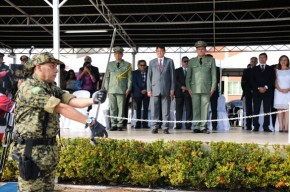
(87, 77)
(140, 94)
(282, 92)
(95, 72)
(71, 81)
(63, 74)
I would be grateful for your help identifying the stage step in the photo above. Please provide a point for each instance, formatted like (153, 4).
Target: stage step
(9, 187)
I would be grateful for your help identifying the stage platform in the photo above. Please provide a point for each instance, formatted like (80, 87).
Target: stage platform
(235, 134)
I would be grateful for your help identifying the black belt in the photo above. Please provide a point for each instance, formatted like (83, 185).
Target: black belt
(44, 141)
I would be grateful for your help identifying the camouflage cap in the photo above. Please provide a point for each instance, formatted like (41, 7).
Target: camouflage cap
(2, 55)
(40, 59)
(118, 49)
(200, 44)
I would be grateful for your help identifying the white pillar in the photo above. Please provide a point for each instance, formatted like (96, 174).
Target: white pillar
(56, 35)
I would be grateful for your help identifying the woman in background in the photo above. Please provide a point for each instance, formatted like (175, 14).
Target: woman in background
(71, 81)
(282, 92)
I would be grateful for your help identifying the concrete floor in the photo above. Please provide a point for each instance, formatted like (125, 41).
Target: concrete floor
(236, 134)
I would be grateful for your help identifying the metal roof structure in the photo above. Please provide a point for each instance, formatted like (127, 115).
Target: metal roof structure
(146, 23)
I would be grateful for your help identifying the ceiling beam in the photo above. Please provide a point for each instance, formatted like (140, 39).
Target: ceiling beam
(113, 22)
(32, 19)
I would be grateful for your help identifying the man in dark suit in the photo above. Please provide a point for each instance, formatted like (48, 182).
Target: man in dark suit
(273, 109)
(248, 90)
(182, 96)
(160, 88)
(140, 93)
(214, 98)
(263, 81)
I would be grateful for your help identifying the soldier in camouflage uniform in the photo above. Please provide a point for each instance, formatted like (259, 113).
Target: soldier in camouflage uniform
(38, 105)
(118, 83)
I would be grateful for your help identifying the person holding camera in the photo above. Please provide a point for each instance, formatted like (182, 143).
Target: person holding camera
(86, 76)
(39, 103)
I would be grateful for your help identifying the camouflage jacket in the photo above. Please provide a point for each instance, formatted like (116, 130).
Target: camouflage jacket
(34, 98)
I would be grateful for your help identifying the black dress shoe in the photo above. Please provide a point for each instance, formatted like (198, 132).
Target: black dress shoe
(137, 126)
(255, 130)
(214, 129)
(206, 131)
(114, 128)
(166, 131)
(120, 128)
(177, 127)
(155, 130)
(268, 130)
(145, 126)
(188, 128)
(196, 131)
(249, 128)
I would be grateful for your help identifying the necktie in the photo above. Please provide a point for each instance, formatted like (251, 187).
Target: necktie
(118, 65)
(200, 61)
(263, 67)
(184, 71)
(143, 76)
(160, 65)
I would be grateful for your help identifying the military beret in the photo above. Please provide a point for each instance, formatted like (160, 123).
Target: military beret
(2, 55)
(23, 57)
(200, 44)
(118, 49)
(40, 59)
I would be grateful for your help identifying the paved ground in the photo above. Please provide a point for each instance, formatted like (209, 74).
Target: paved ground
(236, 134)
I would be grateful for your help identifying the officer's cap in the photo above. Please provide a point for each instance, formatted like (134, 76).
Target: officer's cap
(2, 55)
(118, 49)
(23, 57)
(200, 44)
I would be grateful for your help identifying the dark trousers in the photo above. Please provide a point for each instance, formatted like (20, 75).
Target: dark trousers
(273, 115)
(144, 100)
(180, 102)
(126, 110)
(249, 109)
(213, 106)
(267, 101)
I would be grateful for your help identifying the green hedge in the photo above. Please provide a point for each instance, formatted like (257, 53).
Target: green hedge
(177, 164)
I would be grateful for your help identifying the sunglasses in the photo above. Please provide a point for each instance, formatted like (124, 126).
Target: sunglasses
(142, 65)
(185, 61)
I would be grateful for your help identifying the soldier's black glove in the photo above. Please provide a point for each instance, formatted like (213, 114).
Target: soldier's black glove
(97, 130)
(100, 96)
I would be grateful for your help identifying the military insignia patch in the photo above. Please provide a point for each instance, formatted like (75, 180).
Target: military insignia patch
(35, 90)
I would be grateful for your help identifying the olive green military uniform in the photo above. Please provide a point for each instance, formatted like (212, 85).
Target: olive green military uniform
(117, 82)
(201, 79)
(34, 100)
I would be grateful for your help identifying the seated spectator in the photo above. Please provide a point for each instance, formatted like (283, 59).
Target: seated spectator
(6, 106)
(71, 81)
(88, 79)
(233, 113)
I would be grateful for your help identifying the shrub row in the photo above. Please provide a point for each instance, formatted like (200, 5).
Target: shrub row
(177, 164)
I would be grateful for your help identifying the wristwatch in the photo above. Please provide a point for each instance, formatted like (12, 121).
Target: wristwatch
(88, 122)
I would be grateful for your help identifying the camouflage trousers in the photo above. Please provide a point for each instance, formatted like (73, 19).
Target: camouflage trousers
(46, 158)
(44, 184)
